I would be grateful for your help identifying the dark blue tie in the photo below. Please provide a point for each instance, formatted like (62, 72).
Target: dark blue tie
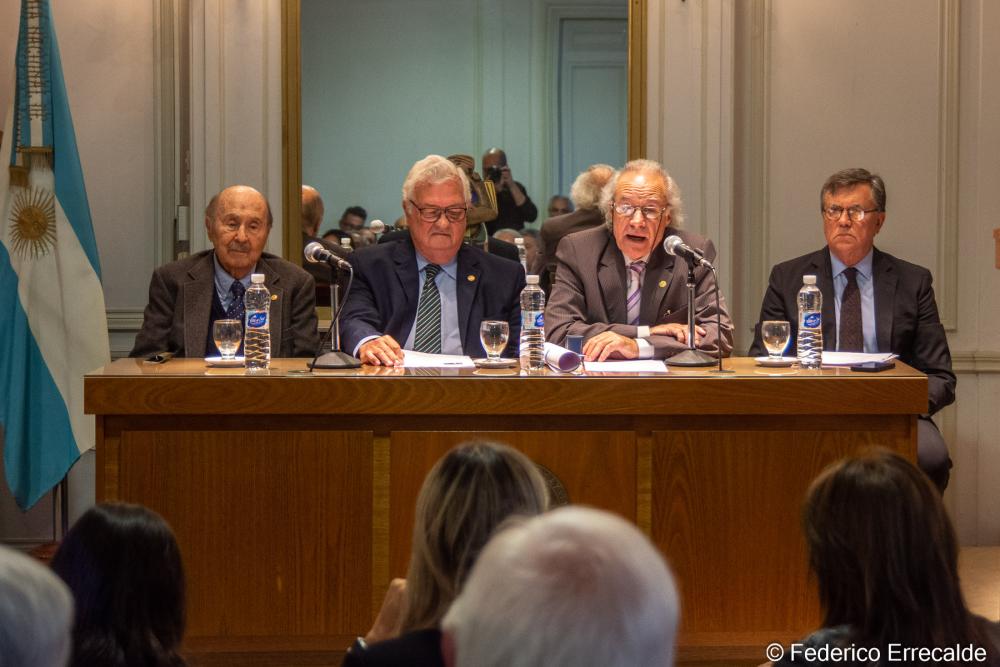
(236, 309)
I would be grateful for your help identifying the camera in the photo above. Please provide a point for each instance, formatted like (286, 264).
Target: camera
(494, 174)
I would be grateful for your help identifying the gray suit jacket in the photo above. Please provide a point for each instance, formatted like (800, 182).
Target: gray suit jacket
(552, 232)
(180, 306)
(588, 295)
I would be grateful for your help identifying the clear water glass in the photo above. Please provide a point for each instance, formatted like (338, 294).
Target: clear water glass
(775, 334)
(494, 334)
(227, 335)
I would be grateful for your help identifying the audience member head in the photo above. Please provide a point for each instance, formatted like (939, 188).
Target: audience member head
(124, 568)
(353, 219)
(506, 234)
(312, 210)
(586, 189)
(560, 205)
(532, 246)
(436, 200)
(493, 160)
(884, 553)
(238, 221)
(852, 202)
(465, 496)
(36, 613)
(646, 191)
(575, 586)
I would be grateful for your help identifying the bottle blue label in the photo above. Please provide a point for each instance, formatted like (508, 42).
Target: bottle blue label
(812, 320)
(540, 320)
(533, 319)
(256, 320)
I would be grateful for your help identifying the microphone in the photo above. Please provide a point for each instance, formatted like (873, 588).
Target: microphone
(675, 246)
(315, 252)
(379, 227)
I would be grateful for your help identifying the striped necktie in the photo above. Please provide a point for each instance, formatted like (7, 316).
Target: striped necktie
(851, 333)
(632, 303)
(428, 334)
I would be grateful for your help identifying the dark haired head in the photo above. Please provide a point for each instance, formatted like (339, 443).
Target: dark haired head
(885, 554)
(848, 178)
(124, 568)
(355, 210)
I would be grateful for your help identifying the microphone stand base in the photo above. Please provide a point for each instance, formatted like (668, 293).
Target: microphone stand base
(692, 358)
(334, 360)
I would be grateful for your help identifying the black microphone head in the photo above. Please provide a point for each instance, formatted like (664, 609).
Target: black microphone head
(312, 252)
(670, 244)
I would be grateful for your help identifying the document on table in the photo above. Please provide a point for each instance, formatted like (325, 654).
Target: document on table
(413, 359)
(851, 358)
(632, 366)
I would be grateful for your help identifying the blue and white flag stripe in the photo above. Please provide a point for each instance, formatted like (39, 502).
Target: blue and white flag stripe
(54, 328)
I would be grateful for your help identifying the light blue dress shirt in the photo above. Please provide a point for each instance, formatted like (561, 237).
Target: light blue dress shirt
(866, 286)
(224, 282)
(447, 284)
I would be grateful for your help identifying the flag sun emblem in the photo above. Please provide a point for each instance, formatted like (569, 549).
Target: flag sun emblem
(33, 222)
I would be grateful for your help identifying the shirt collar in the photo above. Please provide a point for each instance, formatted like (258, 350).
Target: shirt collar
(224, 281)
(451, 268)
(864, 267)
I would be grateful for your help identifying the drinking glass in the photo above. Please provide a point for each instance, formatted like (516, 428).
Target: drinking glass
(494, 335)
(775, 334)
(227, 335)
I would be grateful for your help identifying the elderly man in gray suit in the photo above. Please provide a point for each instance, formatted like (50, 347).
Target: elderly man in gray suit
(187, 296)
(617, 287)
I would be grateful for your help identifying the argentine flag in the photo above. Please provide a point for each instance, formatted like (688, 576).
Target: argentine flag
(53, 327)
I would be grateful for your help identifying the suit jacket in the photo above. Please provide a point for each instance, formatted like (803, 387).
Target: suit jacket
(420, 648)
(386, 290)
(180, 306)
(906, 315)
(554, 229)
(588, 295)
(496, 247)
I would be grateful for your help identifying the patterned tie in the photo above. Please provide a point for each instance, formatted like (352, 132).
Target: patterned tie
(632, 303)
(236, 309)
(428, 334)
(851, 334)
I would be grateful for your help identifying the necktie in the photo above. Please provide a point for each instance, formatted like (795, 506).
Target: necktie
(851, 335)
(428, 335)
(236, 309)
(635, 270)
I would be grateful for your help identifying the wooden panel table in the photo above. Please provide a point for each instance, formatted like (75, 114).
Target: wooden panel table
(292, 494)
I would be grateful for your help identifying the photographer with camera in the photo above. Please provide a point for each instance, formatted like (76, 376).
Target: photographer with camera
(513, 203)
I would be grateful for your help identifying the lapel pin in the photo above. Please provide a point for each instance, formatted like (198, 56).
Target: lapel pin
(274, 297)
(471, 278)
(663, 283)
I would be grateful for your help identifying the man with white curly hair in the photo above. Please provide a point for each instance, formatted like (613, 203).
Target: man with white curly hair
(36, 613)
(570, 588)
(617, 287)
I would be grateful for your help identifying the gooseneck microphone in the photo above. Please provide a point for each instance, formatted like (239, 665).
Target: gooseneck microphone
(675, 246)
(315, 253)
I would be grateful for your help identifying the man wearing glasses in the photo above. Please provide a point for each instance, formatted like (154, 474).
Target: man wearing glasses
(617, 287)
(872, 301)
(429, 292)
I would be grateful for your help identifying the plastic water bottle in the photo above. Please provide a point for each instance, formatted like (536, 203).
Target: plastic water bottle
(257, 343)
(810, 337)
(532, 326)
(522, 252)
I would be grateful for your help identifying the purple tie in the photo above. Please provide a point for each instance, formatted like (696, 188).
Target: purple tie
(635, 270)
(851, 331)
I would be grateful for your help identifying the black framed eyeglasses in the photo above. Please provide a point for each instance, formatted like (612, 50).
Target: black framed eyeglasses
(433, 213)
(650, 213)
(854, 213)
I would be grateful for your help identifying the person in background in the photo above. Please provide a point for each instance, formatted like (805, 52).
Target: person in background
(559, 205)
(465, 496)
(353, 219)
(586, 195)
(124, 568)
(885, 559)
(872, 301)
(312, 218)
(575, 587)
(36, 613)
(514, 206)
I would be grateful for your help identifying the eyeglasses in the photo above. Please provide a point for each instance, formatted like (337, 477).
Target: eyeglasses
(854, 213)
(253, 227)
(650, 213)
(433, 213)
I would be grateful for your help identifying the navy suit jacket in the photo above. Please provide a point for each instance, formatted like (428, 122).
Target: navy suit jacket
(386, 290)
(906, 315)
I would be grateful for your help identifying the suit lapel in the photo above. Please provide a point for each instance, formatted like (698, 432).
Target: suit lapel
(610, 278)
(824, 280)
(655, 284)
(404, 256)
(272, 280)
(885, 295)
(198, 292)
(468, 278)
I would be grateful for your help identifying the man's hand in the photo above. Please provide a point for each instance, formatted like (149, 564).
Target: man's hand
(390, 616)
(608, 345)
(678, 331)
(381, 351)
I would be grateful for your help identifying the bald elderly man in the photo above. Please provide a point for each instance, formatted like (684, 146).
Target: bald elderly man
(187, 296)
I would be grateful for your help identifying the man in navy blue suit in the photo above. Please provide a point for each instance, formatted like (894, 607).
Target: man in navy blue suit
(429, 292)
